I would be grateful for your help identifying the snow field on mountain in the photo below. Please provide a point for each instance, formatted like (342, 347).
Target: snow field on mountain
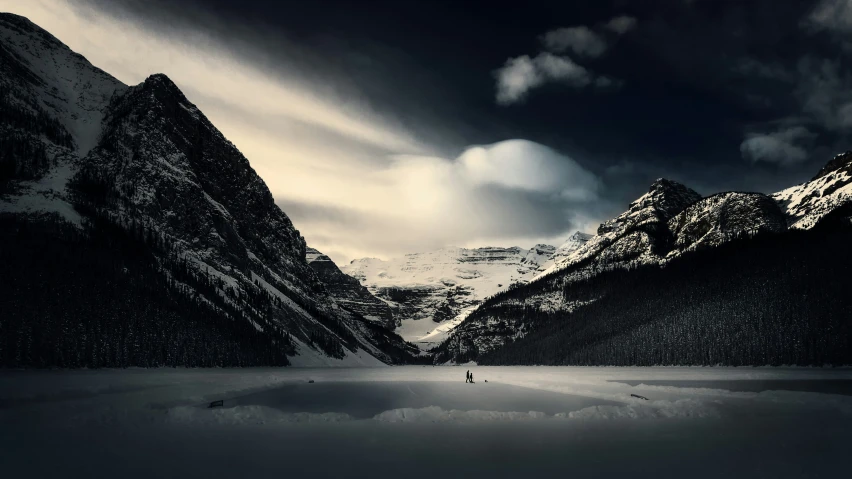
(806, 203)
(479, 273)
(80, 93)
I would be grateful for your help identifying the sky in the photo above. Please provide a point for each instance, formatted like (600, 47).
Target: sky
(389, 127)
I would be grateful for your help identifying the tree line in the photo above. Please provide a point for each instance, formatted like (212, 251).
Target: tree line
(769, 299)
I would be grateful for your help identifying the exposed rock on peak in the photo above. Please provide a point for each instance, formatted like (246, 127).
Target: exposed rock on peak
(840, 162)
(146, 161)
(806, 204)
(59, 89)
(722, 217)
(348, 292)
(664, 199)
(639, 234)
(657, 228)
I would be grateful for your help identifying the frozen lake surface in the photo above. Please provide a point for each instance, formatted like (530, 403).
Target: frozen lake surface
(364, 400)
(426, 422)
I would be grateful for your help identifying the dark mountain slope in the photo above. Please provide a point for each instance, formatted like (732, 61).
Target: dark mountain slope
(144, 160)
(101, 299)
(771, 299)
(648, 252)
(348, 291)
(717, 219)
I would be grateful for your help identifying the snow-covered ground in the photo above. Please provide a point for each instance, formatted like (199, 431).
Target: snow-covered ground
(426, 422)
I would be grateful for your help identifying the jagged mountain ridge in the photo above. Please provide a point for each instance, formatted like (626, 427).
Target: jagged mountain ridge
(635, 236)
(666, 223)
(831, 188)
(145, 159)
(717, 219)
(430, 293)
(348, 291)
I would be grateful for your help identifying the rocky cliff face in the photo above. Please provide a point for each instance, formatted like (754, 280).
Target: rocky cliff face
(430, 293)
(720, 218)
(348, 291)
(662, 225)
(145, 159)
(638, 236)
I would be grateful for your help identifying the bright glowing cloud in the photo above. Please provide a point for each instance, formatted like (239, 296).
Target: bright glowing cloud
(502, 192)
(356, 183)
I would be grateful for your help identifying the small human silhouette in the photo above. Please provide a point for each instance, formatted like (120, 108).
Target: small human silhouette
(467, 377)
(471, 378)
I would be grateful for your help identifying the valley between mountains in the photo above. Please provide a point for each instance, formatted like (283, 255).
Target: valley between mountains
(133, 233)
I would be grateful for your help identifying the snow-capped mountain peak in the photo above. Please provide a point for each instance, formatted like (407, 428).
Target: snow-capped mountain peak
(632, 235)
(807, 203)
(657, 229)
(146, 161)
(664, 199)
(56, 79)
(431, 292)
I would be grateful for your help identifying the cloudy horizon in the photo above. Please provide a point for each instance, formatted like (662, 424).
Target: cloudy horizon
(484, 126)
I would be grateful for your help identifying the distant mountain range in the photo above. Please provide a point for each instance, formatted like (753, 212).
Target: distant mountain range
(132, 233)
(444, 286)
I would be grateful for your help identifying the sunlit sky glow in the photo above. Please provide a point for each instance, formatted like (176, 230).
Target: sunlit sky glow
(379, 149)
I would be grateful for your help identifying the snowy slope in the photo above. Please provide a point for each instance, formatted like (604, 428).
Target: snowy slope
(807, 203)
(63, 83)
(443, 286)
(631, 237)
(663, 224)
(147, 160)
(719, 218)
(658, 226)
(63, 98)
(573, 243)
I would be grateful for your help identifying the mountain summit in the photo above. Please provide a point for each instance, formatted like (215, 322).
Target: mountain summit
(729, 262)
(806, 204)
(142, 170)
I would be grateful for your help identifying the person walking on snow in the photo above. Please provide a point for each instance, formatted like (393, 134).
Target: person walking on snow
(471, 378)
(467, 377)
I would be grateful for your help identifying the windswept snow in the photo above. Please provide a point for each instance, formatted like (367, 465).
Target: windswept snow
(422, 421)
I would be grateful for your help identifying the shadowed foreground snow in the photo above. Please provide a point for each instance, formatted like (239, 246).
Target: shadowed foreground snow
(426, 422)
